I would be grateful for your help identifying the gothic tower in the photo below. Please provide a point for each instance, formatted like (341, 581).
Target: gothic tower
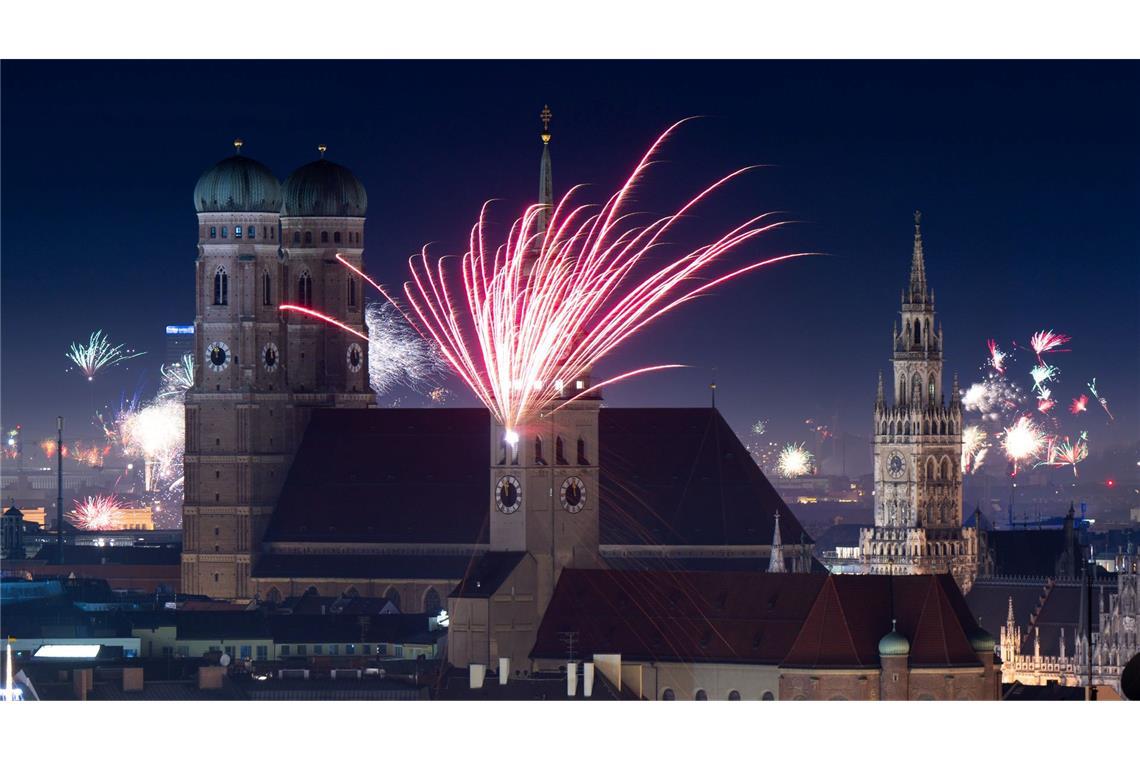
(544, 478)
(918, 449)
(258, 371)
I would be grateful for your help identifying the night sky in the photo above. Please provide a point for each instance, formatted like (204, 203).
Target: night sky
(1027, 175)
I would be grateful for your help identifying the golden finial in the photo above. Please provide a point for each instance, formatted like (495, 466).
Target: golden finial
(322, 148)
(545, 116)
(238, 142)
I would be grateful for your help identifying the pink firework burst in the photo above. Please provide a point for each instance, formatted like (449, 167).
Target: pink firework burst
(1080, 404)
(997, 356)
(1046, 341)
(96, 512)
(522, 321)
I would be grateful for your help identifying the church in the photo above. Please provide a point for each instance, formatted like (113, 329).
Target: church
(295, 483)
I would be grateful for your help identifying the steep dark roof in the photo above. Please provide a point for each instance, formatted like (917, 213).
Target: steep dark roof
(1027, 552)
(1060, 608)
(668, 476)
(853, 612)
(487, 573)
(686, 617)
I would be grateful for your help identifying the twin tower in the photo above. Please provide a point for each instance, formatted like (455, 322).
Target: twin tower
(260, 371)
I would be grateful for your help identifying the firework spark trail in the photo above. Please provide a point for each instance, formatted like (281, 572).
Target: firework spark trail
(178, 377)
(96, 512)
(397, 355)
(1080, 404)
(98, 354)
(157, 434)
(525, 319)
(974, 447)
(1023, 441)
(795, 461)
(1045, 341)
(997, 357)
(1045, 401)
(1103, 401)
(1041, 374)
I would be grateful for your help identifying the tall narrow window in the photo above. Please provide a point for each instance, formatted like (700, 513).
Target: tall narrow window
(538, 451)
(252, 232)
(308, 237)
(582, 452)
(336, 237)
(266, 289)
(351, 291)
(324, 236)
(237, 232)
(305, 289)
(213, 232)
(559, 457)
(225, 232)
(221, 287)
(296, 236)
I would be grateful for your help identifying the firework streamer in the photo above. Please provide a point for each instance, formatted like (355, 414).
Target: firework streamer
(398, 356)
(1046, 341)
(156, 433)
(177, 378)
(1100, 399)
(974, 447)
(997, 357)
(1042, 374)
(521, 321)
(97, 354)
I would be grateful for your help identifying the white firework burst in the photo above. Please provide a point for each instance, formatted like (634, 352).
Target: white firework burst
(397, 355)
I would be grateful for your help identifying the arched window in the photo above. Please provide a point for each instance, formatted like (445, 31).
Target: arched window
(929, 469)
(393, 596)
(701, 696)
(559, 456)
(930, 389)
(308, 237)
(668, 695)
(432, 604)
(351, 291)
(252, 232)
(942, 428)
(768, 697)
(582, 452)
(213, 232)
(917, 331)
(902, 389)
(296, 236)
(237, 232)
(884, 428)
(734, 696)
(225, 232)
(324, 236)
(926, 426)
(915, 389)
(305, 289)
(538, 451)
(221, 287)
(945, 469)
(336, 237)
(266, 290)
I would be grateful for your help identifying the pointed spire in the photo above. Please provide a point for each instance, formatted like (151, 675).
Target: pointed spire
(545, 182)
(776, 558)
(917, 264)
(1009, 621)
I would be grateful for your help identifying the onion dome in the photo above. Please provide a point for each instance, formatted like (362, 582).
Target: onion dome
(323, 188)
(982, 641)
(238, 183)
(894, 644)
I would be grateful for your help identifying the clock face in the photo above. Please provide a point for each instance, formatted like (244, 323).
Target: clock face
(217, 356)
(269, 357)
(354, 357)
(508, 494)
(896, 465)
(573, 495)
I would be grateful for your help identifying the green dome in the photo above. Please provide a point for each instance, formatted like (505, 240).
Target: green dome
(894, 644)
(982, 641)
(323, 188)
(238, 184)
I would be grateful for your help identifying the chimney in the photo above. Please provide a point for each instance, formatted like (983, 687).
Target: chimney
(587, 679)
(571, 679)
(504, 670)
(475, 675)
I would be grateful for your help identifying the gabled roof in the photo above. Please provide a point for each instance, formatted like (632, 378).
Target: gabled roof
(676, 616)
(668, 476)
(852, 612)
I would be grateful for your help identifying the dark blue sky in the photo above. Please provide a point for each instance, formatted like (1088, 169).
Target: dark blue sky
(1028, 175)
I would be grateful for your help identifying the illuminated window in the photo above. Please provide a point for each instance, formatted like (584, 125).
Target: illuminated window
(246, 652)
(237, 232)
(225, 232)
(213, 232)
(221, 287)
(252, 232)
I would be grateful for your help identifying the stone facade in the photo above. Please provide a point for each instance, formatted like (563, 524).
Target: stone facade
(918, 452)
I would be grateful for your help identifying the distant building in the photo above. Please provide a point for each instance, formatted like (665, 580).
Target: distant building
(12, 532)
(179, 341)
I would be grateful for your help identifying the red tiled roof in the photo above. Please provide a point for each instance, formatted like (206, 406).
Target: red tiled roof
(677, 616)
(852, 612)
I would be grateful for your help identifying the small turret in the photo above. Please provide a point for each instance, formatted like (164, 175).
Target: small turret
(776, 558)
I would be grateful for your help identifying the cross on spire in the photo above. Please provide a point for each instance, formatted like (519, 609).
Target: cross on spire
(545, 116)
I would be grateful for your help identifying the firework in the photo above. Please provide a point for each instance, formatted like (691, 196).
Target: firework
(1080, 404)
(1046, 341)
(997, 357)
(178, 377)
(992, 398)
(759, 427)
(98, 354)
(1101, 399)
(1041, 374)
(439, 395)
(1023, 441)
(1072, 454)
(156, 433)
(397, 355)
(974, 447)
(92, 456)
(523, 321)
(795, 461)
(96, 512)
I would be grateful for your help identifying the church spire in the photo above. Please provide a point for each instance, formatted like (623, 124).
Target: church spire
(879, 392)
(776, 558)
(545, 183)
(917, 264)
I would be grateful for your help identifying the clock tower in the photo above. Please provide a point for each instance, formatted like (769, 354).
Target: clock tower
(918, 450)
